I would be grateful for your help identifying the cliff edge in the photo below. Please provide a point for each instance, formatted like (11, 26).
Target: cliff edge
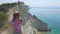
(30, 23)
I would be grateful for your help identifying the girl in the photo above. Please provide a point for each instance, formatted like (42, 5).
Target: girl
(16, 23)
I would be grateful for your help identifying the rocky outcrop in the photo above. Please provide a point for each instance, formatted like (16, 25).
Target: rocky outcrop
(40, 25)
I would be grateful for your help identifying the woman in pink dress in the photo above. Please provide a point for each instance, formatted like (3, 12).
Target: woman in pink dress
(16, 23)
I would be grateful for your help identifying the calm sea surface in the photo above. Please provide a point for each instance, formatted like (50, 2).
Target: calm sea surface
(51, 16)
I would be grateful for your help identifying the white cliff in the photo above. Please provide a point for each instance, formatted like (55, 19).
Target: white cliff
(31, 24)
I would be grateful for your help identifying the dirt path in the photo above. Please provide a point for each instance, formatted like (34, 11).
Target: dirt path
(4, 32)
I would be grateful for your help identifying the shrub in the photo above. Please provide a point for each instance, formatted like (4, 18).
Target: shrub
(3, 18)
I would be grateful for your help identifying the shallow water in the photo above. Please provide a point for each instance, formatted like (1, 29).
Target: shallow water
(51, 16)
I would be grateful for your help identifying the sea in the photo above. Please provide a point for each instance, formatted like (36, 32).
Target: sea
(49, 15)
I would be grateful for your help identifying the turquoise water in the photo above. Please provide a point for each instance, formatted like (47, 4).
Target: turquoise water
(51, 16)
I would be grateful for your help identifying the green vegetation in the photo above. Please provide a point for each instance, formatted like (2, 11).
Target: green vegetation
(6, 7)
(3, 18)
(4, 10)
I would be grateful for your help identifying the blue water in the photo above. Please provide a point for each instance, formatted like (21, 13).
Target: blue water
(51, 16)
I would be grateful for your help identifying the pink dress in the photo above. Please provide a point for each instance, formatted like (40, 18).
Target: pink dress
(16, 25)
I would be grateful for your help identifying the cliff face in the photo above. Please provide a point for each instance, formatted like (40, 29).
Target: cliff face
(31, 24)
